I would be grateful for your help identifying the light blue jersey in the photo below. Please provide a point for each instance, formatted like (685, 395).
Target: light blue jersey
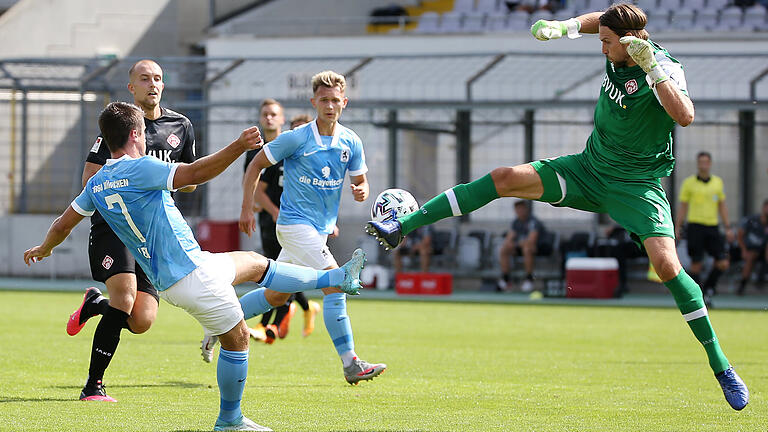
(133, 197)
(314, 171)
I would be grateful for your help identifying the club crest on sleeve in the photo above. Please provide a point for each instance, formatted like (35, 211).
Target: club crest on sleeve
(173, 140)
(96, 145)
(631, 86)
(108, 261)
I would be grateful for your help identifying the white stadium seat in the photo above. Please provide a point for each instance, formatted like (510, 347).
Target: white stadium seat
(730, 19)
(682, 19)
(693, 4)
(473, 22)
(487, 6)
(428, 23)
(496, 22)
(706, 19)
(450, 22)
(658, 19)
(755, 18)
(517, 21)
(669, 4)
(717, 4)
(646, 5)
(463, 6)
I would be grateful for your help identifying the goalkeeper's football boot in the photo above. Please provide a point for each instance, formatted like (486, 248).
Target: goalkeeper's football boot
(95, 393)
(206, 346)
(352, 268)
(361, 370)
(734, 389)
(244, 424)
(389, 233)
(82, 314)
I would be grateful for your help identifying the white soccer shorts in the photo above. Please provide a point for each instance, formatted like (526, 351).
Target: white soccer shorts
(303, 245)
(208, 295)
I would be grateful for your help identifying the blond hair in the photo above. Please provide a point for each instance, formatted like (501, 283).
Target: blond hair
(328, 79)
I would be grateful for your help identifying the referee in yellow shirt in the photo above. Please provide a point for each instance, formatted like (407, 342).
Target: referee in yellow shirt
(701, 199)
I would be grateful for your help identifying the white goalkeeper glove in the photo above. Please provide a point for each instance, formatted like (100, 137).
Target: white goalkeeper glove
(544, 30)
(641, 52)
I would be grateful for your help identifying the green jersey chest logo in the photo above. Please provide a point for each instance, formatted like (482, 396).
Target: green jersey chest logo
(613, 92)
(631, 86)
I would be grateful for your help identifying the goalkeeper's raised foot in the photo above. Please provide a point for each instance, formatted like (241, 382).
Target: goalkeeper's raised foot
(734, 389)
(389, 233)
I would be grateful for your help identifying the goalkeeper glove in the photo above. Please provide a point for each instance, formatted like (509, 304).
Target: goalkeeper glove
(545, 30)
(641, 52)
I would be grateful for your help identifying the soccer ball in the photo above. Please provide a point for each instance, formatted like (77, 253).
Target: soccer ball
(399, 200)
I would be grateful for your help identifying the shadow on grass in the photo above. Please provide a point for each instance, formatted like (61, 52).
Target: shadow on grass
(179, 384)
(11, 399)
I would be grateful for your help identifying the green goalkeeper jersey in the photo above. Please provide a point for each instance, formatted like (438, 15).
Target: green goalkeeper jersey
(632, 138)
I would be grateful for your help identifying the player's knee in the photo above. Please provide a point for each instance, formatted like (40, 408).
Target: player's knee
(139, 326)
(505, 179)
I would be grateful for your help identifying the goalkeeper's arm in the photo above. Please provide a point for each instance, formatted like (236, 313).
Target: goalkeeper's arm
(546, 30)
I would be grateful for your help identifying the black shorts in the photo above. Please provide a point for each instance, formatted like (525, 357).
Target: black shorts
(108, 257)
(705, 239)
(269, 243)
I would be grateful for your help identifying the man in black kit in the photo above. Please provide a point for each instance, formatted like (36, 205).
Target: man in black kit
(133, 301)
(267, 196)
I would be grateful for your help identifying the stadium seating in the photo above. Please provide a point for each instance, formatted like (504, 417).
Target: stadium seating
(755, 18)
(473, 16)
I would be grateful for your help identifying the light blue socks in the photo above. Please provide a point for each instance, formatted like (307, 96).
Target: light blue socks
(231, 373)
(337, 322)
(290, 278)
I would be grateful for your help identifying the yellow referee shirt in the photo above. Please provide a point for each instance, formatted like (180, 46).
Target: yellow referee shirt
(703, 199)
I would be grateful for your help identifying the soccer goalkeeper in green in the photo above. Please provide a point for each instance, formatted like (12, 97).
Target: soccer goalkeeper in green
(643, 94)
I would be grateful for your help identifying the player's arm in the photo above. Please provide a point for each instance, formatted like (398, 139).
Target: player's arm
(545, 30)
(59, 230)
(263, 200)
(247, 222)
(360, 187)
(89, 169)
(208, 167)
(188, 153)
(675, 102)
(723, 210)
(682, 212)
(678, 105)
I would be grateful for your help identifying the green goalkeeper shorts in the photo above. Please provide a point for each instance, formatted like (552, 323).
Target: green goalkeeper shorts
(640, 206)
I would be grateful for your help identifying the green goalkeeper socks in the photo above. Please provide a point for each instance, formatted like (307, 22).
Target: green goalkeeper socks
(459, 200)
(688, 297)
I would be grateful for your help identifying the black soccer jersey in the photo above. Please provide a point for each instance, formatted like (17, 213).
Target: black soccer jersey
(170, 138)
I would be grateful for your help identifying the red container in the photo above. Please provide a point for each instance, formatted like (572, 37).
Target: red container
(591, 277)
(218, 237)
(424, 283)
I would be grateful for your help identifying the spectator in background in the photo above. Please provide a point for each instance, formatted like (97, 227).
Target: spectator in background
(523, 238)
(753, 241)
(701, 200)
(418, 242)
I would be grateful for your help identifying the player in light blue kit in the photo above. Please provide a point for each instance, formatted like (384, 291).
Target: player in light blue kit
(131, 191)
(316, 158)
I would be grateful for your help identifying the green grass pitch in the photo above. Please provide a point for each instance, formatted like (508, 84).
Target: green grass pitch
(452, 367)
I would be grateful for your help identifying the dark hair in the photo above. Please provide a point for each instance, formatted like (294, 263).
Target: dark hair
(117, 121)
(625, 18)
(300, 119)
(704, 153)
(521, 203)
